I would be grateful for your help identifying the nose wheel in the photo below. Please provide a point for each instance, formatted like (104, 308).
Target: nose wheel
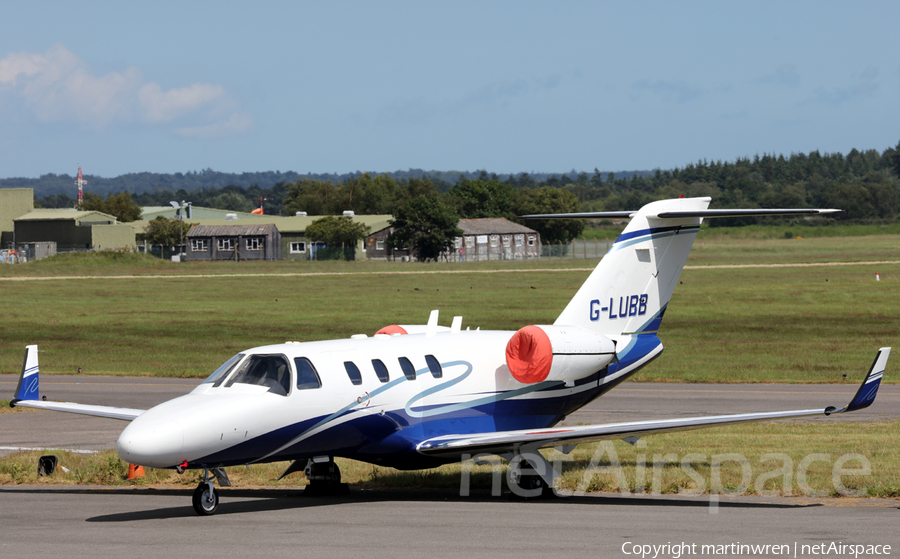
(206, 499)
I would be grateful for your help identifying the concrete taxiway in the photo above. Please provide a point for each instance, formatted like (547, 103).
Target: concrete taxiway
(627, 402)
(139, 522)
(74, 522)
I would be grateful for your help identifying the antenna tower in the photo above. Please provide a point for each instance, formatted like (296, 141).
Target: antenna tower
(80, 182)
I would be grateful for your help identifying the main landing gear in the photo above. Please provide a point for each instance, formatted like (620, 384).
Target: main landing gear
(324, 478)
(206, 498)
(531, 476)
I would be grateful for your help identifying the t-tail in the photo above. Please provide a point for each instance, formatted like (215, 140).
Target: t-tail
(625, 297)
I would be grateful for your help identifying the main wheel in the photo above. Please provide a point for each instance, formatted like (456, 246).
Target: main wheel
(206, 499)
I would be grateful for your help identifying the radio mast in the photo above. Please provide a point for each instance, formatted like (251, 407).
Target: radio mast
(80, 182)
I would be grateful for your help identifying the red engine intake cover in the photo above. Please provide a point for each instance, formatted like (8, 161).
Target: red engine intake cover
(529, 355)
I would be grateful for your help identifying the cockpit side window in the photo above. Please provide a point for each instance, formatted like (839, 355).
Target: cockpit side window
(381, 370)
(353, 372)
(271, 371)
(408, 370)
(221, 373)
(434, 366)
(307, 376)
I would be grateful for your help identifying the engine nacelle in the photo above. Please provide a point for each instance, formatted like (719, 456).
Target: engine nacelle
(561, 353)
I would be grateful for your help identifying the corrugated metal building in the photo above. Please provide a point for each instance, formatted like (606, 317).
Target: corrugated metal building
(234, 242)
(483, 239)
(74, 230)
(496, 238)
(14, 203)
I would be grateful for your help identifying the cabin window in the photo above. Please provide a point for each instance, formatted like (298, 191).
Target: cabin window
(221, 373)
(531, 240)
(307, 376)
(507, 241)
(353, 372)
(434, 366)
(298, 247)
(495, 241)
(254, 244)
(271, 371)
(225, 244)
(380, 370)
(198, 245)
(520, 240)
(379, 244)
(408, 370)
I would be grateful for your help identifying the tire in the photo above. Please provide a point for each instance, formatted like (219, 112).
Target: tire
(205, 503)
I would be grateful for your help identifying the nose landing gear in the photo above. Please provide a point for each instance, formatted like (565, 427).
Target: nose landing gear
(206, 498)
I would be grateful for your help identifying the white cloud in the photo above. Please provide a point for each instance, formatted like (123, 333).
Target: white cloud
(163, 106)
(57, 86)
(236, 123)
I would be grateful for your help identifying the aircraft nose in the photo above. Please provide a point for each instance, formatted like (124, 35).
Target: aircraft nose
(158, 444)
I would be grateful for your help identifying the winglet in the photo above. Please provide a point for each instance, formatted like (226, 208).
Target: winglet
(29, 382)
(869, 387)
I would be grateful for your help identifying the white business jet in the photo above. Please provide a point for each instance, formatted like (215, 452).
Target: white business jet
(419, 396)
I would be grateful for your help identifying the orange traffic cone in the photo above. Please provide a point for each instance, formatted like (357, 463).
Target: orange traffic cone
(135, 472)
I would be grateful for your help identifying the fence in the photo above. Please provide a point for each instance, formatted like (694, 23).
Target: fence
(576, 249)
(21, 253)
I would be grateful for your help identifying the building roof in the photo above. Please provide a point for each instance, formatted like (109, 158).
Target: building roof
(231, 230)
(66, 215)
(285, 224)
(492, 226)
(197, 212)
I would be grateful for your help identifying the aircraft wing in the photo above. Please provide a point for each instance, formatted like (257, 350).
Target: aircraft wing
(27, 394)
(509, 441)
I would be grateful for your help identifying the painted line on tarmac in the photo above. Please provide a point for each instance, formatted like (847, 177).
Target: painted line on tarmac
(427, 272)
(41, 449)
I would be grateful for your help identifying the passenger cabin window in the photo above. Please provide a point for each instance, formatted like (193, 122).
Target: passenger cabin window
(408, 370)
(307, 376)
(221, 373)
(353, 372)
(380, 370)
(271, 371)
(434, 366)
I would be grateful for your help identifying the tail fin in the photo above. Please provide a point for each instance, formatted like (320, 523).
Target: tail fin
(629, 290)
(29, 382)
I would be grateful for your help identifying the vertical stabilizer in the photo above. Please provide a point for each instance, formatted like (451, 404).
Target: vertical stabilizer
(629, 290)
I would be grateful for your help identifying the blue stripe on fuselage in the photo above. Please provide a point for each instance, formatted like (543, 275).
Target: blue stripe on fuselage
(391, 438)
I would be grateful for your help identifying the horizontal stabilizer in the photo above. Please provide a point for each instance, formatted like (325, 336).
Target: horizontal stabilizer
(685, 214)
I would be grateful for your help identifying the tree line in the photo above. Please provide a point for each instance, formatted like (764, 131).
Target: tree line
(866, 185)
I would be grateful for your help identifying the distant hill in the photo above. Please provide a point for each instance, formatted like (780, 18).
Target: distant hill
(137, 183)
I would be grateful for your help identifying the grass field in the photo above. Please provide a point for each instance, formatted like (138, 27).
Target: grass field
(781, 324)
(806, 324)
(776, 459)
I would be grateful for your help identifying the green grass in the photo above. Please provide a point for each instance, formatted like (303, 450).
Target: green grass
(653, 466)
(774, 324)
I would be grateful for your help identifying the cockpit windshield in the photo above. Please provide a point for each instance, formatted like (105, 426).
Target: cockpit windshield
(222, 372)
(272, 371)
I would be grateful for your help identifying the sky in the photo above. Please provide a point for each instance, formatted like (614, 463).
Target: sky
(509, 87)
